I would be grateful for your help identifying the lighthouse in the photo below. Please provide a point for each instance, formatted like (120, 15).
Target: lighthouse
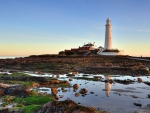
(108, 35)
(108, 49)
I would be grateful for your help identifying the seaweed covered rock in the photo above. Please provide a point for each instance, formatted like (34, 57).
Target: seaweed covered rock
(12, 111)
(17, 90)
(56, 106)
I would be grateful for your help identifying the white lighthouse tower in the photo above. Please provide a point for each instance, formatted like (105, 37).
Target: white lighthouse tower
(108, 35)
(108, 50)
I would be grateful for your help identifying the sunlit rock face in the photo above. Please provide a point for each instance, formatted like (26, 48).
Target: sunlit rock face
(107, 86)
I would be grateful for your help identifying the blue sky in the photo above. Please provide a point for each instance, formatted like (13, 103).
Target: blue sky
(49, 26)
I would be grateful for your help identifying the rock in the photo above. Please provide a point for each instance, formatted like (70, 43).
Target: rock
(72, 74)
(39, 72)
(134, 96)
(2, 91)
(92, 92)
(148, 105)
(83, 91)
(70, 79)
(139, 79)
(77, 94)
(55, 81)
(47, 104)
(75, 86)
(18, 90)
(76, 73)
(85, 75)
(11, 111)
(54, 90)
(138, 104)
(137, 112)
(148, 95)
(99, 77)
(4, 85)
(148, 83)
(35, 85)
(62, 88)
(56, 96)
(61, 96)
(58, 75)
(56, 106)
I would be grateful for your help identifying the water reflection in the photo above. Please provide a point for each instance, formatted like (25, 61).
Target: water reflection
(107, 85)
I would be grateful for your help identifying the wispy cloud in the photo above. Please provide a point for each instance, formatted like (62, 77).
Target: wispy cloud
(145, 30)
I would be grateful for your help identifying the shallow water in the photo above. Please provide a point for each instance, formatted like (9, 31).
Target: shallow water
(115, 97)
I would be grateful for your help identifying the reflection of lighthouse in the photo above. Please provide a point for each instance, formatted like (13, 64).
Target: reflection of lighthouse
(107, 86)
(108, 35)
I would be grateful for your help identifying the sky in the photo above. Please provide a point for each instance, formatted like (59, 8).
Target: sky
(34, 27)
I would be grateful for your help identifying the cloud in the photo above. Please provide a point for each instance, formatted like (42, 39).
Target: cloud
(141, 30)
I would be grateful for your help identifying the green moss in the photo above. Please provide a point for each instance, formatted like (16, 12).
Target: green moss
(26, 84)
(31, 103)
(30, 108)
(34, 99)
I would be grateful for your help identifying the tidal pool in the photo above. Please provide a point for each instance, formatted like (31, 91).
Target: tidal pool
(115, 97)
